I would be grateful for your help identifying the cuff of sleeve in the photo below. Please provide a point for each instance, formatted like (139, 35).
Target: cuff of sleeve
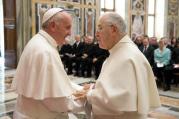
(76, 86)
(89, 96)
(92, 86)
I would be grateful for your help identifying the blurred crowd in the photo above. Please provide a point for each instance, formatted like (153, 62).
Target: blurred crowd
(84, 57)
(163, 56)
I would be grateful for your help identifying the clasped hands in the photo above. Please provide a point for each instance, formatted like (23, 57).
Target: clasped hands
(81, 95)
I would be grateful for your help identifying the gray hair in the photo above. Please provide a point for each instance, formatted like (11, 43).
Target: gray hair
(115, 19)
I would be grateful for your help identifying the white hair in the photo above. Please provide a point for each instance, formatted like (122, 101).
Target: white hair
(115, 19)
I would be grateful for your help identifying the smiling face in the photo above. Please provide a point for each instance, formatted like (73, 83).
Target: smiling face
(62, 27)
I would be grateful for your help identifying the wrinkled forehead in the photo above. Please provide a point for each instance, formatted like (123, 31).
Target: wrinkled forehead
(101, 20)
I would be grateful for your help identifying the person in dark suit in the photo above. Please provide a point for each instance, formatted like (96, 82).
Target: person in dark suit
(175, 55)
(66, 54)
(78, 48)
(173, 42)
(175, 61)
(87, 57)
(147, 50)
(168, 44)
(99, 57)
(153, 42)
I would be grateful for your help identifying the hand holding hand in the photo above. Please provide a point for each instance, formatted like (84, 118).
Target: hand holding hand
(87, 86)
(80, 95)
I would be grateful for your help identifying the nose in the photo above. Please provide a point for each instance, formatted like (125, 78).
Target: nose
(97, 34)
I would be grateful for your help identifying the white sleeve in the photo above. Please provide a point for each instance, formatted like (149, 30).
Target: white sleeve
(63, 104)
(76, 86)
(88, 110)
(89, 94)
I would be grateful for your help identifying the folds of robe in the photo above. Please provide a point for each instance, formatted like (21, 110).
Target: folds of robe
(126, 84)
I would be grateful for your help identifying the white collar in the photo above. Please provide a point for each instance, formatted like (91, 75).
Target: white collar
(48, 38)
(125, 39)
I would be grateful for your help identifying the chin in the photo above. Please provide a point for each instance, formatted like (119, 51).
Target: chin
(101, 46)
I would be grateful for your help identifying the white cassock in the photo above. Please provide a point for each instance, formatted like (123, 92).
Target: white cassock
(126, 88)
(43, 87)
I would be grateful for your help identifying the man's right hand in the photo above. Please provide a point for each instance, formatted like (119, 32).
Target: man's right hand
(80, 95)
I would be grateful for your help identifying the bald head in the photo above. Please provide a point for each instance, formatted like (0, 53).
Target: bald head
(77, 38)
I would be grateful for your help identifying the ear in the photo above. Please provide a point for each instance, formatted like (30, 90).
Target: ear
(52, 26)
(114, 28)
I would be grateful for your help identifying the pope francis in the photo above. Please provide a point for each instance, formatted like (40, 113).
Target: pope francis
(43, 88)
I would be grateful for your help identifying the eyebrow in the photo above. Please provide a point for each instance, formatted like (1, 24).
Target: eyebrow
(99, 25)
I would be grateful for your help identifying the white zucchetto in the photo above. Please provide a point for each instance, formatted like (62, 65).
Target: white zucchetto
(50, 13)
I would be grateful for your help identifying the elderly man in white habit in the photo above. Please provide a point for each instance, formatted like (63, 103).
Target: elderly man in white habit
(43, 87)
(126, 87)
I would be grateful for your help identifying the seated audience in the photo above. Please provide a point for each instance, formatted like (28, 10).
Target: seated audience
(173, 41)
(66, 54)
(153, 42)
(168, 43)
(99, 56)
(175, 54)
(87, 56)
(78, 48)
(175, 59)
(138, 41)
(147, 50)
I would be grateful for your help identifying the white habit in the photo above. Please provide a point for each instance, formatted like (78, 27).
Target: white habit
(41, 82)
(126, 88)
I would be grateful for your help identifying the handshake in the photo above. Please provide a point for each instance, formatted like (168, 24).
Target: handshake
(81, 95)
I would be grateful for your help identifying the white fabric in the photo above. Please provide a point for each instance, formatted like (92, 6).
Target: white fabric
(65, 104)
(27, 108)
(40, 76)
(50, 108)
(126, 84)
(40, 73)
(50, 13)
